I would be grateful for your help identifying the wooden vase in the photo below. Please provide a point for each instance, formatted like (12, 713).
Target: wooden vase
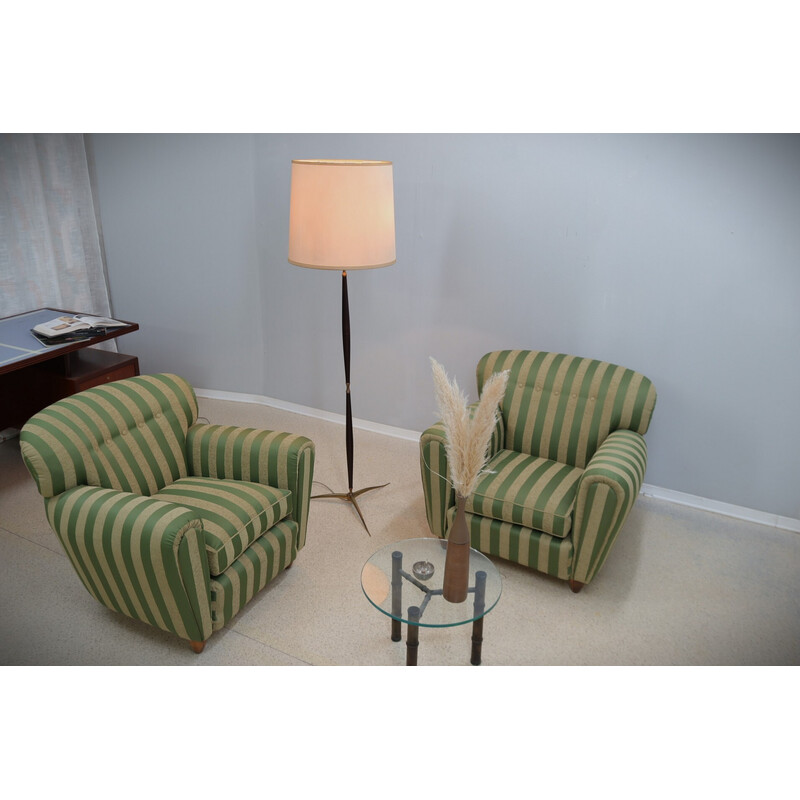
(456, 562)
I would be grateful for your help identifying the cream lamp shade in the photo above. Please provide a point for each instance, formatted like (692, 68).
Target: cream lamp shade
(341, 214)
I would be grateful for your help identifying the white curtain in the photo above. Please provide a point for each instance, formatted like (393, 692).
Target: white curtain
(50, 245)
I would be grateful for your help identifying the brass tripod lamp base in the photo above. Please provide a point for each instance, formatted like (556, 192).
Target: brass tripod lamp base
(351, 496)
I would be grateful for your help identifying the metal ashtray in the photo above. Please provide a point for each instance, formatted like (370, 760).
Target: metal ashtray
(422, 570)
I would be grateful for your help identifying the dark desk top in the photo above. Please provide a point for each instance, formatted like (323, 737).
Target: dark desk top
(20, 348)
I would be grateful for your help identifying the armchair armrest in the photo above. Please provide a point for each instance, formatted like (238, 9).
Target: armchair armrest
(274, 458)
(137, 555)
(436, 483)
(436, 486)
(606, 493)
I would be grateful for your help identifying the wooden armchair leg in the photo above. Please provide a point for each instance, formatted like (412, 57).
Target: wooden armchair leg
(197, 646)
(576, 586)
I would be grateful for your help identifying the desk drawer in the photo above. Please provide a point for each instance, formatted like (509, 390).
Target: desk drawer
(26, 391)
(87, 368)
(129, 370)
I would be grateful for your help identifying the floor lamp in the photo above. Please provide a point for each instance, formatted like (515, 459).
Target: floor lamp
(341, 217)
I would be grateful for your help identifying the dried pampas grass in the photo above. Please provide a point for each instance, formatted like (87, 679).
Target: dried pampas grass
(467, 438)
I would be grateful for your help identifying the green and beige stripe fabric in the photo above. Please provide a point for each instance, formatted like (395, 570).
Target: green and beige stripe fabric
(566, 464)
(607, 491)
(234, 513)
(437, 487)
(525, 546)
(128, 435)
(137, 555)
(282, 460)
(164, 520)
(529, 491)
(267, 557)
(562, 407)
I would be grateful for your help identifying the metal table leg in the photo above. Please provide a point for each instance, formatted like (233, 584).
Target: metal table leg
(477, 625)
(397, 594)
(412, 636)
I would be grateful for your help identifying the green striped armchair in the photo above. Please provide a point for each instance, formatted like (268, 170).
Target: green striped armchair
(566, 462)
(166, 520)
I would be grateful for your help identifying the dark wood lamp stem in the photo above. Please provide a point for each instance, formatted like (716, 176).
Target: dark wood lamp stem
(350, 495)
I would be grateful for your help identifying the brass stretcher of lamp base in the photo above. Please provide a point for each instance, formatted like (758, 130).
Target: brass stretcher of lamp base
(350, 496)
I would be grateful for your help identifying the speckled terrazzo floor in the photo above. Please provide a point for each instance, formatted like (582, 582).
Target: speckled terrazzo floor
(681, 587)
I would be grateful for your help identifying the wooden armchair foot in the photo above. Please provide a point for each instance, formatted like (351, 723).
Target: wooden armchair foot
(576, 586)
(197, 646)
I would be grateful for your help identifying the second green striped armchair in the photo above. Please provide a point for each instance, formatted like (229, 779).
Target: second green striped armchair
(566, 462)
(169, 521)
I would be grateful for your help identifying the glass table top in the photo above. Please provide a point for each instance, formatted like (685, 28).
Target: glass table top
(418, 590)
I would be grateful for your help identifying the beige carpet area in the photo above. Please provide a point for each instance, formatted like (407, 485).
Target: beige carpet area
(681, 587)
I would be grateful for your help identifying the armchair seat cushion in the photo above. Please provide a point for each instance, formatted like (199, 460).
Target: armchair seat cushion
(529, 491)
(234, 513)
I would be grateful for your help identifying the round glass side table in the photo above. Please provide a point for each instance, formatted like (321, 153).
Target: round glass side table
(404, 581)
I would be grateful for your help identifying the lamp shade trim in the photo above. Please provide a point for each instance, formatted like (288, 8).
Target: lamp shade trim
(342, 267)
(340, 162)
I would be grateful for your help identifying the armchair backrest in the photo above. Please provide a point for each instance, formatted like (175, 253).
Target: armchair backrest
(128, 435)
(562, 407)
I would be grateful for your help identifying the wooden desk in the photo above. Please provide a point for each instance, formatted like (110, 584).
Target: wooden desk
(33, 375)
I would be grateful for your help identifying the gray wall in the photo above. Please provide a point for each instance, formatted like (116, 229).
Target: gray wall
(676, 255)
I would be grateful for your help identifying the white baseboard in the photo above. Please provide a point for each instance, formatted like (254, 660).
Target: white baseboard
(306, 411)
(679, 498)
(717, 507)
